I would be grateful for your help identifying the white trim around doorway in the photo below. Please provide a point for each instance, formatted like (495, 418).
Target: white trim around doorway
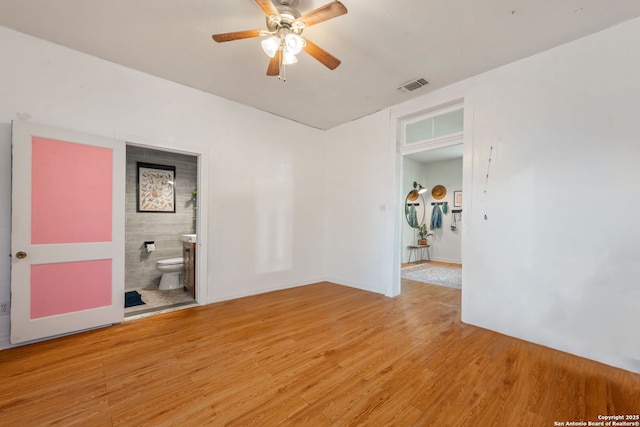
(202, 154)
(397, 118)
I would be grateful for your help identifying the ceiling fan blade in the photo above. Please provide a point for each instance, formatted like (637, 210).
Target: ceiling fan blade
(237, 35)
(274, 65)
(328, 60)
(323, 13)
(267, 7)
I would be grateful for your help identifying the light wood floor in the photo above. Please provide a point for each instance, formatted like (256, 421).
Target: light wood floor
(440, 263)
(317, 355)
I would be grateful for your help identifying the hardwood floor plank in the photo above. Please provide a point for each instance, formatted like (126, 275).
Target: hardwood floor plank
(162, 405)
(362, 411)
(316, 385)
(72, 404)
(277, 410)
(246, 400)
(309, 416)
(317, 355)
(396, 413)
(345, 397)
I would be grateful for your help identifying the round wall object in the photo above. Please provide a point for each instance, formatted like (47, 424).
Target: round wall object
(439, 192)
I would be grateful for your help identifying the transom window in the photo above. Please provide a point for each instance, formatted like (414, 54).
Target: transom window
(439, 125)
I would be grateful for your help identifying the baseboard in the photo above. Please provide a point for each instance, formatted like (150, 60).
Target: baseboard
(355, 285)
(452, 261)
(262, 291)
(5, 341)
(295, 285)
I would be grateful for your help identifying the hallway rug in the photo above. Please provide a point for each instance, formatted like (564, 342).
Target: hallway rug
(450, 277)
(132, 298)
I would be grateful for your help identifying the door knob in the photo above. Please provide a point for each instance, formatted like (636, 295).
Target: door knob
(21, 255)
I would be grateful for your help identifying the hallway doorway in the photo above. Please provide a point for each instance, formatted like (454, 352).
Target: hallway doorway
(431, 244)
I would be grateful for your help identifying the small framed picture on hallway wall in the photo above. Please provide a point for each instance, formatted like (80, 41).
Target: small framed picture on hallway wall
(156, 188)
(457, 199)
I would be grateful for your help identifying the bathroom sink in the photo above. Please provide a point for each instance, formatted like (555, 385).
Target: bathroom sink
(189, 238)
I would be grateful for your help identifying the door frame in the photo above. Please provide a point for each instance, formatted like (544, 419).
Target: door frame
(398, 117)
(202, 156)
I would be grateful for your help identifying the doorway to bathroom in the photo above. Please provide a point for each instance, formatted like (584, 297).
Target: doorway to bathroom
(161, 225)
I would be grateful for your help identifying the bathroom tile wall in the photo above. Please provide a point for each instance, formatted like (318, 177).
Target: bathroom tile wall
(163, 228)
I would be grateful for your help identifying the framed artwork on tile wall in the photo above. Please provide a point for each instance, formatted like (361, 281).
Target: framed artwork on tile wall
(156, 188)
(457, 199)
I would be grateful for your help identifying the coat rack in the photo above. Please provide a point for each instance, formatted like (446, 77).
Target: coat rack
(443, 203)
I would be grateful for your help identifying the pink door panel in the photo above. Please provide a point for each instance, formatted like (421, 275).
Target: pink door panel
(70, 192)
(69, 286)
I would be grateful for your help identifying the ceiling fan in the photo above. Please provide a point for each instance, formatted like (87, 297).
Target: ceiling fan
(284, 26)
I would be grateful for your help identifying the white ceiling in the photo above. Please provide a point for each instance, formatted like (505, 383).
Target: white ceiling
(382, 44)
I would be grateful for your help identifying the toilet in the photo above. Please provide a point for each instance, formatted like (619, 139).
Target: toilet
(171, 269)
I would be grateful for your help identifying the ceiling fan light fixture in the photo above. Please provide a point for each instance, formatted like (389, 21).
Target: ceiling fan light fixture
(271, 46)
(293, 43)
(288, 58)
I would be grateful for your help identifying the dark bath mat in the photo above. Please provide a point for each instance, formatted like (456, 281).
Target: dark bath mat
(132, 298)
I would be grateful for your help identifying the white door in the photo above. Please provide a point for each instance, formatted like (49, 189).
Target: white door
(67, 232)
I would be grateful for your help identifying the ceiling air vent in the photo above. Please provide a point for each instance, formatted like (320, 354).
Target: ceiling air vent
(413, 85)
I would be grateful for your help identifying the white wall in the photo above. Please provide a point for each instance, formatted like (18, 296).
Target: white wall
(265, 215)
(445, 243)
(556, 261)
(360, 204)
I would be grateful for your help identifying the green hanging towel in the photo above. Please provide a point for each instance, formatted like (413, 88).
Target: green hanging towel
(445, 208)
(413, 217)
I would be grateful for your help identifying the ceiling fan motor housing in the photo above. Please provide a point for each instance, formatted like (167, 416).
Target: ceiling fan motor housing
(290, 3)
(286, 20)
